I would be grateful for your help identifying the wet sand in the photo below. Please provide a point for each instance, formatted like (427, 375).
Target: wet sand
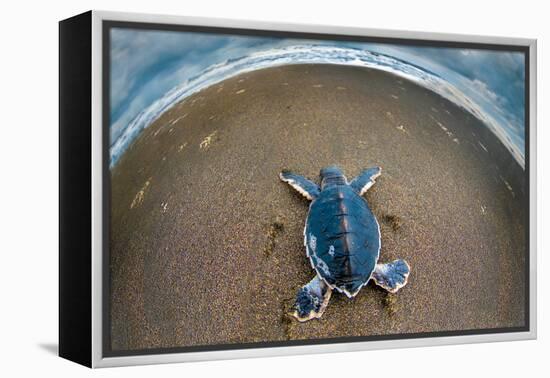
(206, 242)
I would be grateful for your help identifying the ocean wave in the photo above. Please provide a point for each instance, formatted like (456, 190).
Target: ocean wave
(309, 54)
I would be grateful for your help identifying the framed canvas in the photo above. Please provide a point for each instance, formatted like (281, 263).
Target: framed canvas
(235, 189)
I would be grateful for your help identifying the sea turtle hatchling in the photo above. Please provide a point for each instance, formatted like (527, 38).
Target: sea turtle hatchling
(342, 239)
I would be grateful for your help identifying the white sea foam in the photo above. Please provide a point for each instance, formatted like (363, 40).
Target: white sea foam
(312, 54)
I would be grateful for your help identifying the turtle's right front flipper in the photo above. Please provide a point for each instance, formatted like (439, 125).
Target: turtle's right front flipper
(308, 189)
(365, 180)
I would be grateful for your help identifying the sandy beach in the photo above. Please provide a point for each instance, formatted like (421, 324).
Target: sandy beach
(206, 243)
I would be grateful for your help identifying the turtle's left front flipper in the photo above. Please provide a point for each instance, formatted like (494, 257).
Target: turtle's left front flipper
(308, 189)
(391, 276)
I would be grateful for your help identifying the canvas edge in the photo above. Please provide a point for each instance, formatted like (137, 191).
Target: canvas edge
(534, 222)
(74, 153)
(97, 200)
(97, 191)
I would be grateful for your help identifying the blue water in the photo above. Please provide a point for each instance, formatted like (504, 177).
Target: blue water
(313, 54)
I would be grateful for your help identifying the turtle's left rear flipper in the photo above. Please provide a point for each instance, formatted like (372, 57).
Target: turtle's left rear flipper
(312, 299)
(391, 276)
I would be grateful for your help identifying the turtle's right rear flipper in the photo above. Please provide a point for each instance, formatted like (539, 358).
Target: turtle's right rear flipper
(392, 276)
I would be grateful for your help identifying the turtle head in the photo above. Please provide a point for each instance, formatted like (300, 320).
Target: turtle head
(331, 176)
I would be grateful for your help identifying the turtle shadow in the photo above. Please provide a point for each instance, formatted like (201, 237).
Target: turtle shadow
(394, 221)
(389, 301)
(287, 320)
(391, 304)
